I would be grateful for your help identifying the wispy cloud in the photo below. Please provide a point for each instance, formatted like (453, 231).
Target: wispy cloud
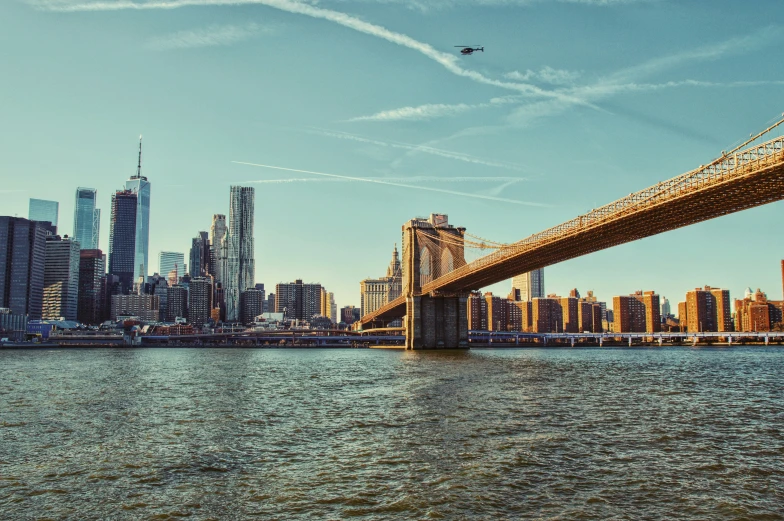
(545, 75)
(449, 61)
(448, 154)
(399, 185)
(506, 181)
(214, 35)
(422, 112)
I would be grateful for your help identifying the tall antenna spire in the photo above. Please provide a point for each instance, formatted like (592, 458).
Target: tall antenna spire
(139, 167)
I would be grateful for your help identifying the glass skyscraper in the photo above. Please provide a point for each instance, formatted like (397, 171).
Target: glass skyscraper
(167, 260)
(43, 210)
(87, 219)
(530, 285)
(139, 185)
(241, 265)
(122, 238)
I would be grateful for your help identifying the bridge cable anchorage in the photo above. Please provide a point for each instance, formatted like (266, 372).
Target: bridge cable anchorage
(747, 176)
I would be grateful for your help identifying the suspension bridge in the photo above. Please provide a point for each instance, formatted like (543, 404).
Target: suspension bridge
(437, 278)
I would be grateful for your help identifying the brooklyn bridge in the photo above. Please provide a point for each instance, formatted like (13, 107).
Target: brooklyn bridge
(437, 279)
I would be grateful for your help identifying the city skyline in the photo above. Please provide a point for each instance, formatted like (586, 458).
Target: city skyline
(655, 121)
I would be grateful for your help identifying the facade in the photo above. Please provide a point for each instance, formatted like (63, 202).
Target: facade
(528, 286)
(12, 326)
(176, 302)
(22, 259)
(146, 307)
(298, 300)
(637, 313)
(44, 211)
(757, 313)
(122, 238)
(169, 261)
(91, 304)
(219, 253)
(87, 219)
(61, 279)
(251, 305)
(375, 293)
(139, 185)
(200, 255)
(708, 309)
(241, 266)
(476, 309)
(546, 315)
(349, 314)
(200, 301)
(331, 308)
(665, 307)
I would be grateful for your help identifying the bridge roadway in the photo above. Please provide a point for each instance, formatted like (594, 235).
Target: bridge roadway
(740, 179)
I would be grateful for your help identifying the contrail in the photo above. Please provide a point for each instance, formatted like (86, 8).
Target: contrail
(447, 60)
(458, 156)
(507, 181)
(401, 185)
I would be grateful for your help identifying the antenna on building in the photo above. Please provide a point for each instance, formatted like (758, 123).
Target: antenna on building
(139, 167)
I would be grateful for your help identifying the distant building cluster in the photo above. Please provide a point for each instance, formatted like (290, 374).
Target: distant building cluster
(45, 276)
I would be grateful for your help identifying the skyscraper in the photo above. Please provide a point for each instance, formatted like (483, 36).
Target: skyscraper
(200, 300)
(122, 238)
(240, 265)
(528, 286)
(44, 211)
(167, 260)
(139, 185)
(200, 255)
(299, 300)
(87, 219)
(61, 278)
(90, 309)
(22, 257)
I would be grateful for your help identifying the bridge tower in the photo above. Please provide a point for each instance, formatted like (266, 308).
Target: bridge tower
(436, 320)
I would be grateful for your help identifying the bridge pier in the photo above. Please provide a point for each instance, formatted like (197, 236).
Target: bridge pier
(437, 322)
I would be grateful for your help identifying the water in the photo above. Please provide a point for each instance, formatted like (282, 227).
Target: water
(371, 434)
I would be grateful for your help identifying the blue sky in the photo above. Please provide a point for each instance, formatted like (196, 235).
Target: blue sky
(573, 104)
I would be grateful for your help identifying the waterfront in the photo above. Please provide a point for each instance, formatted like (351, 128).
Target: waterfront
(333, 434)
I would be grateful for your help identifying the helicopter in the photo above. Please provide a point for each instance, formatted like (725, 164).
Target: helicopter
(469, 49)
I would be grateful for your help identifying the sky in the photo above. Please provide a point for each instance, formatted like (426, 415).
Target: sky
(573, 104)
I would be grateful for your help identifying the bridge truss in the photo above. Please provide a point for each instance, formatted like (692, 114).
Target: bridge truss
(745, 177)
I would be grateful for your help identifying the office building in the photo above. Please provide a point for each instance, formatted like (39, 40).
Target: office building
(219, 248)
(200, 255)
(241, 266)
(144, 307)
(298, 300)
(176, 302)
(158, 285)
(87, 219)
(42, 210)
(374, 293)
(22, 259)
(91, 304)
(122, 238)
(349, 314)
(251, 304)
(665, 307)
(200, 301)
(61, 278)
(528, 286)
(169, 261)
(139, 185)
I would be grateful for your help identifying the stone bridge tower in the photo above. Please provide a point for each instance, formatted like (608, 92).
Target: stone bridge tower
(432, 248)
